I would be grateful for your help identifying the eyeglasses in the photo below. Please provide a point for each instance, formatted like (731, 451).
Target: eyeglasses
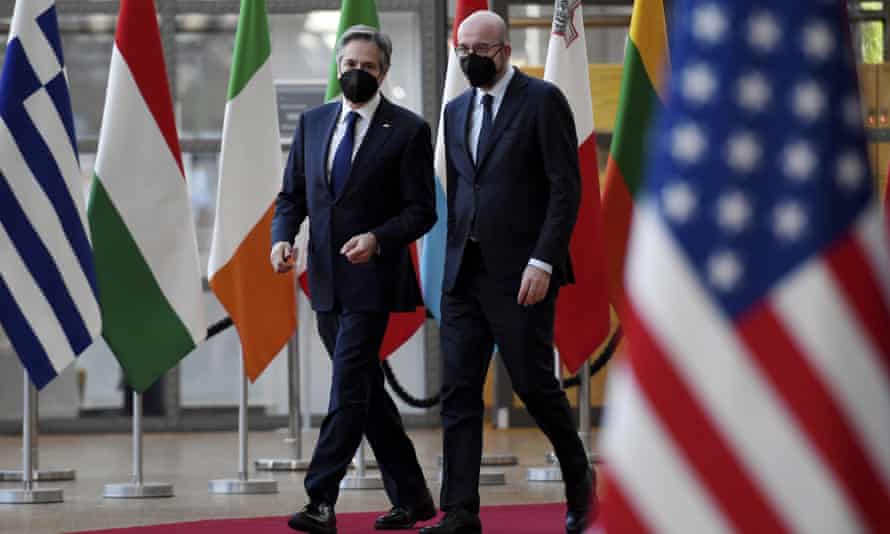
(481, 49)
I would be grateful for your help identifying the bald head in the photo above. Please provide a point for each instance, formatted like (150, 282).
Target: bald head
(484, 34)
(488, 24)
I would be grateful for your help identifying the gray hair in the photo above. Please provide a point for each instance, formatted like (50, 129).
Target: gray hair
(367, 33)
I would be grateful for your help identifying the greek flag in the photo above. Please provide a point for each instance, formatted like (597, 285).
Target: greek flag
(48, 301)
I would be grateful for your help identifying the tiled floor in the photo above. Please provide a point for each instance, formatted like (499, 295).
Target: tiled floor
(189, 461)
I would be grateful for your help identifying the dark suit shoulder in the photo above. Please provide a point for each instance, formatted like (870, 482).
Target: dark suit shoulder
(405, 116)
(459, 101)
(323, 110)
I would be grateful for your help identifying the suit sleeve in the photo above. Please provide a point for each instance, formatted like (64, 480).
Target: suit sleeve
(290, 205)
(418, 197)
(558, 143)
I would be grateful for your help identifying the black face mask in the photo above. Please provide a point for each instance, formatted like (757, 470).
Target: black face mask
(358, 86)
(479, 70)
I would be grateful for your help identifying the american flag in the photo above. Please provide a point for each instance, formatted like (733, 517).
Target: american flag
(756, 395)
(48, 297)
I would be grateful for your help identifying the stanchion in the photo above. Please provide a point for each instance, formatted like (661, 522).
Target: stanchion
(137, 489)
(294, 438)
(360, 479)
(243, 484)
(29, 494)
(39, 475)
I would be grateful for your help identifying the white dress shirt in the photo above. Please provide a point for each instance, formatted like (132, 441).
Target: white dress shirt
(497, 92)
(363, 121)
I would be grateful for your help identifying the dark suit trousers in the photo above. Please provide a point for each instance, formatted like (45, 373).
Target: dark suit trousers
(358, 405)
(477, 313)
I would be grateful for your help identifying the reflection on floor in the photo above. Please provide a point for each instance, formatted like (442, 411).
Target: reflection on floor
(189, 461)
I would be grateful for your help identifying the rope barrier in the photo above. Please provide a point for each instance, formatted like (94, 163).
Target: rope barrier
(416, 402)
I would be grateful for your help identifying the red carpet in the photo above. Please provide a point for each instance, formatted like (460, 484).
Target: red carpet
(514, 519)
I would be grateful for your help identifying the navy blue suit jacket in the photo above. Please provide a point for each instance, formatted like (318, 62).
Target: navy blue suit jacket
(521, 200)
(389, 193)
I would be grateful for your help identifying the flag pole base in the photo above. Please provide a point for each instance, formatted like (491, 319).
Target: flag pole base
(494, 460)
(358, 482)
(243, 487)
(544, 474)
(281, 464)
(487, 478)
(43, 475)
(32, 496)
(131, 490)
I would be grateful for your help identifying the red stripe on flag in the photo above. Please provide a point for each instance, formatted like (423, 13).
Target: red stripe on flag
(618, 205)
(704, 448)
(582, 309)
(618, 515)
(464, 9)
(402, 325)
(794, 378)
(139, 42)
(854, 273)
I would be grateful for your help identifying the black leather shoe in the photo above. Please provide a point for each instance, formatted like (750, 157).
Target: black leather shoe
(456, 522)
(403, 518)
(314, 518)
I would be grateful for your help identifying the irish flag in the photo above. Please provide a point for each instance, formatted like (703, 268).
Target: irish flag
(139, 213)
(260, 302)
(432, 259)
(645, 69)
(402, 326)
(582, 310)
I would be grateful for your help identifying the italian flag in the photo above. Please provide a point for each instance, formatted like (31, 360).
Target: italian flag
(645, 70)
(139, 212)
(260, 302)
(582, 310)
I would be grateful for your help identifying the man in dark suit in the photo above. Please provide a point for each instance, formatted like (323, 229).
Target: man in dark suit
(514, 189)
(361, 169)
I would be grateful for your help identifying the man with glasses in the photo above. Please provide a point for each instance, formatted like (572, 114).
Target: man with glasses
(361, 169)
(514, 189)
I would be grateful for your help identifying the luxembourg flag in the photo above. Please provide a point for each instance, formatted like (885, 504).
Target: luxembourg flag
(582, 311)
(432, 258)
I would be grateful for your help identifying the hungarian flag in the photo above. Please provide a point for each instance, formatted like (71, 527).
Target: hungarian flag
(402, 326)
(260, 302)
(645, 69)
(756, 392)
(582, 310)
(139, 212)
(432, 257)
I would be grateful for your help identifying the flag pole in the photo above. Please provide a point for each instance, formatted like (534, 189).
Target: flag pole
(47, 475)
(29, 494)
(294, 438)
(138, 488)
(243, 485)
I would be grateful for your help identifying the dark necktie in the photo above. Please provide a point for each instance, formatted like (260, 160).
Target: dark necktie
(343, 157)
(485, 131)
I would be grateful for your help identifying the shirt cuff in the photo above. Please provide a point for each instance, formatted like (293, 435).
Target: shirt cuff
(543, 265)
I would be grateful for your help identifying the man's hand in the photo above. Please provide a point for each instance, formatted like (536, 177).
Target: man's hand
(535, 283)
(360, 248)
(283, 257)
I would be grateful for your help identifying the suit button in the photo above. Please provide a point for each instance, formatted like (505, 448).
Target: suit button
(476, 187)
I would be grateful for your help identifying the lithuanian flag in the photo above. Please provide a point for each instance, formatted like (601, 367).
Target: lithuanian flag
(645, 71)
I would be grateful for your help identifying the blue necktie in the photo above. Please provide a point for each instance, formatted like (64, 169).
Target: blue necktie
(485, 130)
(343, 157)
